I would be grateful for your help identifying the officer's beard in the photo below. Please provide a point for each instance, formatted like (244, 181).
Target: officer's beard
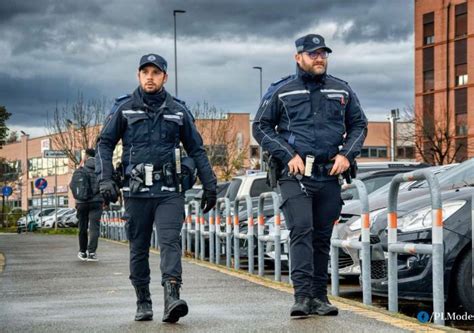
(320, 70)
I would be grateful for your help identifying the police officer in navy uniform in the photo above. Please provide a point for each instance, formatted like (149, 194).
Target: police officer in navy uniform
(151, 124)
(311, 120)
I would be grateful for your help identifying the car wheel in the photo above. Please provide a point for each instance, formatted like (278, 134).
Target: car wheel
(464, 286)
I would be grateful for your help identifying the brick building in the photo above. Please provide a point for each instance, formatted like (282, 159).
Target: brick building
(236, 128)
(444, 58)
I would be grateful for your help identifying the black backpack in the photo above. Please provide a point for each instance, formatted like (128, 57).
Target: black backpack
(80, 185)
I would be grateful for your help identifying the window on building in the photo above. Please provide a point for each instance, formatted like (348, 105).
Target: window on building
(428, 28)
(428, 80)
(460, 101)
(461, 74)
(374, 152)
(461, 124)
(461, 20)
(42, 167)
(428, 59)
(406, 152)
(460, 52)
(461, 149)
(428, 114)
(217, 154)
(254, 152)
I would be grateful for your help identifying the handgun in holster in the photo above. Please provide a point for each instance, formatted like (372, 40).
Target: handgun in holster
(274, 171)
(350, 173)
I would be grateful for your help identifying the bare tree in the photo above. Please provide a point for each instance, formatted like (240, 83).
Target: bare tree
(226, 148)
(12, 137)
(76, 126)
(435, 137)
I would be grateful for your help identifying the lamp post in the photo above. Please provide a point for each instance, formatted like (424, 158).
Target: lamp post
(27, 170)
(260, 148)
(394, 116)
(176, 11)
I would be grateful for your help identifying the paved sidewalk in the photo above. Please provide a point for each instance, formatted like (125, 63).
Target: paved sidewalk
(45, 288)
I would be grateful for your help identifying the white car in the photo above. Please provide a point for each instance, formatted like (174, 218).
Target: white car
(50, 220)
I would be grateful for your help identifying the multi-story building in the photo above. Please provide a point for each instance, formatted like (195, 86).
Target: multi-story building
(444, 58)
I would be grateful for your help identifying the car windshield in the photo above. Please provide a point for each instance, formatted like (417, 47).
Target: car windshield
(458, 175)
(437, 170)
(233, 189)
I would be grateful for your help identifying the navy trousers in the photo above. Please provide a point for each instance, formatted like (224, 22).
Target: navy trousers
(167, 213)
(310, 215)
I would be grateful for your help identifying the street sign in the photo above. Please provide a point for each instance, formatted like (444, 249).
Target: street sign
(54, 154)
(7, 191)
(41, 183)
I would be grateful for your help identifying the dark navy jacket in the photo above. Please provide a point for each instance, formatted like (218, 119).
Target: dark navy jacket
(301, 116)
(150, 136)
(89, 166)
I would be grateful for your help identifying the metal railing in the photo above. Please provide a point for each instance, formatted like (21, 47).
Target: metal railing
(363, 246)
(435, 249)
(245, 236)
(275, 238)
(223, 235)
(190, 230)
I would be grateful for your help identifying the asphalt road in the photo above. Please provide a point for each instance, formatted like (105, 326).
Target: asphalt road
(45, 288)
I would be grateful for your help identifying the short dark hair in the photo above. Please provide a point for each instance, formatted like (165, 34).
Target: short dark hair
(90, 152)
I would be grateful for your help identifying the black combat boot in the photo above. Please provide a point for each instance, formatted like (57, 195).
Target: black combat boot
(321, 306)
(175, 308)
(144, 310)
(302, 307)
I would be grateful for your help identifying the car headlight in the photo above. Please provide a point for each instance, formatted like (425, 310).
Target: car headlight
(357, 224)
(422, 218)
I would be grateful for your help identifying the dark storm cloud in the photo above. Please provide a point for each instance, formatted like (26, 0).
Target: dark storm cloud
(49, 23)
(30, 100)
(52, 49)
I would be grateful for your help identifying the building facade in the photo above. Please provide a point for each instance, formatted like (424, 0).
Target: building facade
(227, 138)
(444, 58)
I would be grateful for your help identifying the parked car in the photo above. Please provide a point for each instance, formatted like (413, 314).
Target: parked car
(50, 220)
(349, 224)
(191, 193)
(414, 226)
(70, 220)
(373, 180)
(376, 166)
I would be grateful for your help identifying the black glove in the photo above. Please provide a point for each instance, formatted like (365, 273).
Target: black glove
(209, 199)
(109, 190)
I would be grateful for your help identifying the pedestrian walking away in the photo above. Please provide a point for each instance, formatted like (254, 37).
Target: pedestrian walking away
(89, 202)
(151, 124)
(313, 126)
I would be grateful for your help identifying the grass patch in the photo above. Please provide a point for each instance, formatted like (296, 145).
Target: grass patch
(60, 231)
(8, 229)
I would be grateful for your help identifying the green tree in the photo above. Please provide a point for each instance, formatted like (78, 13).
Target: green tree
(4, 115)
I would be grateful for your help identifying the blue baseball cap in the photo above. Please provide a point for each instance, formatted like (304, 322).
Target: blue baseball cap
(153, 59)
(310, 43)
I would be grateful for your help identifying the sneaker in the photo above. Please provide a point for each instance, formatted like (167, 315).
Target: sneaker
(82, 256)
(92, 257)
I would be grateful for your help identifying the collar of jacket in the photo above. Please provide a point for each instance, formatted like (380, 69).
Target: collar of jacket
(152, 102)
(307, 77)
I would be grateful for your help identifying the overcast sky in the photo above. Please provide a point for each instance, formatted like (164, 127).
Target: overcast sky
(50, 50)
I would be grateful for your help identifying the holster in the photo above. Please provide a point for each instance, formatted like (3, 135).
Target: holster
(275, 169)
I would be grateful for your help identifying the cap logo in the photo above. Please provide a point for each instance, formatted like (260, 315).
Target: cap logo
(151, 58)
(316, 40)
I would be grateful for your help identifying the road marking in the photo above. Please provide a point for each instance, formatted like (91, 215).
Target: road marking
(394, 319)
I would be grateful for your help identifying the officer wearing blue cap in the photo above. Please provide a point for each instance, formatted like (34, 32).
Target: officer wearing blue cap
(313, 125)
(152, 124)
